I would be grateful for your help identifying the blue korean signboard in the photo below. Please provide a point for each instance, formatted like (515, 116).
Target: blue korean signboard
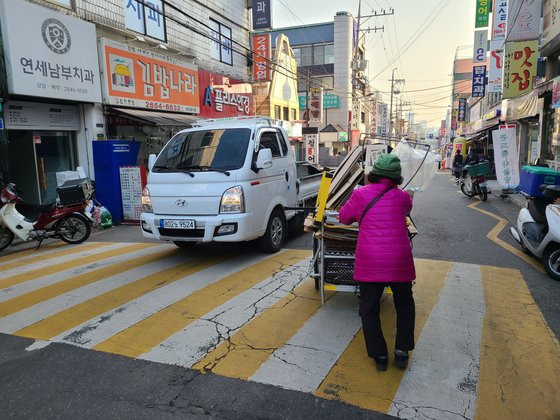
(262, 14)
(479, 81)
(330, 101)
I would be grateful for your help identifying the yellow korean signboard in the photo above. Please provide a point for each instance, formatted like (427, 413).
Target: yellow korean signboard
(520, 68)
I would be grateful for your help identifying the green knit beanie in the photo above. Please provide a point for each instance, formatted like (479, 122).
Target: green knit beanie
(388, 166)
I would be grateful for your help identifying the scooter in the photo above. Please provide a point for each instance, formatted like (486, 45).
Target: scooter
(475, 185)
(538, 229)
(38, 222)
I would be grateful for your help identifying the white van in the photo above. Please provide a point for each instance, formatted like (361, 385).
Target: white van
(225, 181)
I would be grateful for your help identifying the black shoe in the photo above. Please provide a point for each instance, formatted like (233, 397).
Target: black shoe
(401, 359)
(381, 363)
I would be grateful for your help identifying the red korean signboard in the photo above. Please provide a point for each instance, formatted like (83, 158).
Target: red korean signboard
(221, 96)
(261, 57)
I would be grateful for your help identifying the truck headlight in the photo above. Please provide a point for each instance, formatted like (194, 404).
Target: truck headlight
(146, 201)
(233, 201)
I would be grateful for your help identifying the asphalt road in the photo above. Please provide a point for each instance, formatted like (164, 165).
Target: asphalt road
(64, 381)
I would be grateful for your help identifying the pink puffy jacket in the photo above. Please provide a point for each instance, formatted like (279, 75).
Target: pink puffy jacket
(383, 253)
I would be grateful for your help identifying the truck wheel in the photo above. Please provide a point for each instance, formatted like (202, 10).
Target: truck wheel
(551, 261)
(273, 240)
(6, 237)
(185, 244)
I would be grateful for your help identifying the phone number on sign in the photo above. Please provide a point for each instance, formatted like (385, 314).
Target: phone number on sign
(159, 105)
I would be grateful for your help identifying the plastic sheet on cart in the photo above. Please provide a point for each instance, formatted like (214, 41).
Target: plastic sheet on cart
(411, 159)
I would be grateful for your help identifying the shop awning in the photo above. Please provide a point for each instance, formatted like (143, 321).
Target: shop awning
(524, 106)
(161, 119)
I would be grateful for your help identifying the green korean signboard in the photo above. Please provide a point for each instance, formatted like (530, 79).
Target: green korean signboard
(329, 101)
(483, 7)
(343, 136)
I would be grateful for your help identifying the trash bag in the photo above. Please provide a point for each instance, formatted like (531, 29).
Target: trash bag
(417, 164)
(106, 220)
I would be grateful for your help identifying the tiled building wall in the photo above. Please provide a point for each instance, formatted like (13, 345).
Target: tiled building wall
(108, 15)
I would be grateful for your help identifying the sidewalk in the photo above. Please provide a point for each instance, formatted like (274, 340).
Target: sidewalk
(517, 199)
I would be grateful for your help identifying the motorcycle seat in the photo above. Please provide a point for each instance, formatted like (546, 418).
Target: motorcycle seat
(32, 211)
(537, 210)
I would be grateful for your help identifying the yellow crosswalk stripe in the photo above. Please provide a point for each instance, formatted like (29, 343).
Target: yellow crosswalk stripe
(61, 253)
(48, 292)
(354, 379)
(76, 315)
(71, 263)
(520, 361)
(252, 345)
(31, 251)
(146, 334)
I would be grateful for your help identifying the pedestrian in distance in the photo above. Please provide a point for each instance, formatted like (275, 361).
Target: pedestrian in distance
(383, 257)
(457, 165)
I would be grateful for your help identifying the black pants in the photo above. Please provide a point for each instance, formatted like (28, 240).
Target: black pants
(370, 297)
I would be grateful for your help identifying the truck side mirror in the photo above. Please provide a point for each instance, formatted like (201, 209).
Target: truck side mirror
(264, 159)
(151, 161)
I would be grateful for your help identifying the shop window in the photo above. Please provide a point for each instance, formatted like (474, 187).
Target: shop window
(306, 56)
(277, 112)
(147, 18)
(286, 114)
(294, 113)
(302, 85)
(363, 117)
(221, 34)
(297, 55)
(329, 54)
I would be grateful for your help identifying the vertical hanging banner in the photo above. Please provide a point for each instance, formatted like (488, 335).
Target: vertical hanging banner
(262, 14)
(482, 10)
(496, 67)
(316, 106)
(261, 57)
(462, 110)
(499, 20)
(506, 157)
(479, 81)
(523, 19)
(520, 67)
(551, 21)
(311, 148)
(480, 46)
(454, 119)
(555, 93)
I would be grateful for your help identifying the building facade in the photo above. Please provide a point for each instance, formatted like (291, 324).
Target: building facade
(81, 71)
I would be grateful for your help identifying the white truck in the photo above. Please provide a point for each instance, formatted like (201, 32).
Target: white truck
(227, 180)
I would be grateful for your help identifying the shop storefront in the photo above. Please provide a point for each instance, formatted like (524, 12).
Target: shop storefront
(148, 96)
(53, 94)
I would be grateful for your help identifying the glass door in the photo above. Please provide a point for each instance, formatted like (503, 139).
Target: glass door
(54, 152)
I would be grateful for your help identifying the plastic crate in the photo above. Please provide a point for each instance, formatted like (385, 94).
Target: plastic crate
(532, 177)
(479, 170)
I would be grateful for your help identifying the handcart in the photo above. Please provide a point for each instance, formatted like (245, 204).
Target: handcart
(334, 244)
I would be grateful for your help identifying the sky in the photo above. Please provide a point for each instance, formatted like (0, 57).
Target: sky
(426, 64)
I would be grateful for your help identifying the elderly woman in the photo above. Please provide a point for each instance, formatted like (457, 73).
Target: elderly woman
(383, 257)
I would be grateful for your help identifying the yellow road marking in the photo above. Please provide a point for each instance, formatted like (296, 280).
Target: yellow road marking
(354, 379)
(26, 252)
(252, 345)
(71, 263)
(76, 315)
(520, 363)
(493, 236)
(45, 293)
(146, 334)
(63, 252)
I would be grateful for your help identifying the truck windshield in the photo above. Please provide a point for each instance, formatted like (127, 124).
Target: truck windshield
(206, 150)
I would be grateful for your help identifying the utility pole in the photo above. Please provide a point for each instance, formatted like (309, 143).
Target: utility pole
(393, 81)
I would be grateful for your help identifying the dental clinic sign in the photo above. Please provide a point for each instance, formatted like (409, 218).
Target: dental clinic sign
(46, 55)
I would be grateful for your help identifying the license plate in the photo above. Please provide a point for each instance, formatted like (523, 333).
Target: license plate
(177, 224)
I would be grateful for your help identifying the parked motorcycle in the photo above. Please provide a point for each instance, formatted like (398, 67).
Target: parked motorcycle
(473, 181)
(26, 221)
(538, 229)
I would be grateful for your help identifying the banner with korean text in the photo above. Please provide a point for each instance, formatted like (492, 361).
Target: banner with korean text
(316, 106)
(261, 58)
(506, 157)
(496, 66)
(499, 20)
(479, 81)
(551, 21)
(138, 78)
(520, 68)
(523, 19)
(482, 10)
(480, 46)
